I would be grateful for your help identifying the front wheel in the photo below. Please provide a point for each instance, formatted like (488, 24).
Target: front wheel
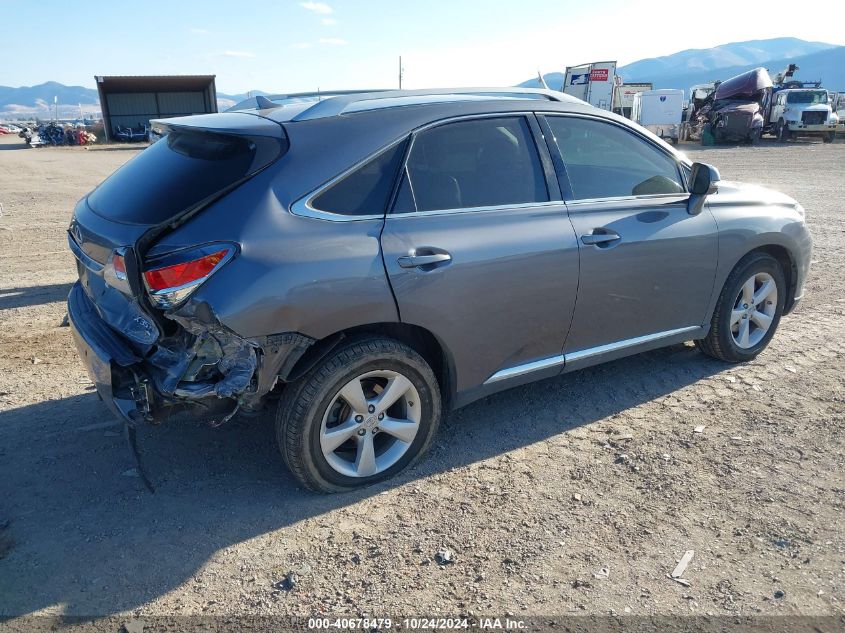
(829, 137)
(363, 414)
(748, 310)
(783, 132)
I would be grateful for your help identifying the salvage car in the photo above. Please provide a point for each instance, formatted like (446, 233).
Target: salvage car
(365, 262)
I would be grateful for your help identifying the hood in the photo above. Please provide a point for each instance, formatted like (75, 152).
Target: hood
(733, 192)
(817, 107)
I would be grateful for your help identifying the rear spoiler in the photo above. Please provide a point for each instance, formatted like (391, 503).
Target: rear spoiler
(238, 123)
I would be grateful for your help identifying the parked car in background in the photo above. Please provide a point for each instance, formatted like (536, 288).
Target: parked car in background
(365, 262)
(839, 107)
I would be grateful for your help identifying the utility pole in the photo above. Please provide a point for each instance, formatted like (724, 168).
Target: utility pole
(401, 70)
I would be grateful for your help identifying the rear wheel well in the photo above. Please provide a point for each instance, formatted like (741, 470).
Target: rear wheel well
(787, 264)
(417, 338)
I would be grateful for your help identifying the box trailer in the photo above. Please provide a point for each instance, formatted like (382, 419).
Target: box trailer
(623, 96)
(594, 83)
(659, 111)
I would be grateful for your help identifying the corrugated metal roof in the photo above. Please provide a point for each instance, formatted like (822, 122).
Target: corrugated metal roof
(152, 83)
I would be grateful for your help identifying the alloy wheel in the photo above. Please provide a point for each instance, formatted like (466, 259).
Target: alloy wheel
(754, 310)
(370, 423)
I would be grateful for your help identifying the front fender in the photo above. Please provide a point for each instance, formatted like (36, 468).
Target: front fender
(751, 218)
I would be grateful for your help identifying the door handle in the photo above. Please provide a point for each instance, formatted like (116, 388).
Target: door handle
(429, 259)
(600, 236)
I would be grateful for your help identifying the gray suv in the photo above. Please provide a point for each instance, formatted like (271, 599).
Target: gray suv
(364, 262)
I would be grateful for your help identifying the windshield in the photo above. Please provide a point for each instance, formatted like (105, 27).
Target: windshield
(807, 96)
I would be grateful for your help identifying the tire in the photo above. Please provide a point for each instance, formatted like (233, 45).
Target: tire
(722, 342)
(311, 405)
(829, 137)
(783, 132)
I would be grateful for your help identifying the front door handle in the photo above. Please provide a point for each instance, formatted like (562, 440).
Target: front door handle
(600, 236)
(428, 259)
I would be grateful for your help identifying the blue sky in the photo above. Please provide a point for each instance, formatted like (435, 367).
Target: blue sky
(294, 45)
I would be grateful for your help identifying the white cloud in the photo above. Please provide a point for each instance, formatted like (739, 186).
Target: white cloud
(238, 54)
(199, 31)
(317, 7)
(333, 41)
(328, 21)
(301, 45)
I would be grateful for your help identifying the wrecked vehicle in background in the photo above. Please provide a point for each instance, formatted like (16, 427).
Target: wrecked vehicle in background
(734, 112)
(738, 111)
(694, 115)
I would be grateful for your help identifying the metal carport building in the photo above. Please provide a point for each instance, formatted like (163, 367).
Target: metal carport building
(131, 101)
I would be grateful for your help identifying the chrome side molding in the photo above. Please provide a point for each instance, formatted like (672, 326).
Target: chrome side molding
(590, 352)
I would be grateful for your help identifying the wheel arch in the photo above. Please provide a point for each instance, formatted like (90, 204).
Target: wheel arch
(421, 340)
(787, 264)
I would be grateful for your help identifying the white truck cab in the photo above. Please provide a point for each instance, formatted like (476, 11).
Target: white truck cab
(803, 111)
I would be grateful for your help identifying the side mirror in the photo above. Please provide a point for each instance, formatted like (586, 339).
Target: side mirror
(703, 179)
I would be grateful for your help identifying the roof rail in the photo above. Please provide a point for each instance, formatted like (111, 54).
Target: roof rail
(341, 103)
(255, 102)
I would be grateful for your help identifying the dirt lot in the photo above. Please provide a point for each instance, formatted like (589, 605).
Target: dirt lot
(573, 495)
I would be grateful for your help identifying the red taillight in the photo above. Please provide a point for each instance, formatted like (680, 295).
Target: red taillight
(183, 274)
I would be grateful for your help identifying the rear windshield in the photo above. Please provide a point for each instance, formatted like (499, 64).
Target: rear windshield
(177, 172)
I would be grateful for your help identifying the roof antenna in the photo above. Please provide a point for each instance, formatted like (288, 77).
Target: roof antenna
(541, 80)
(263, 103)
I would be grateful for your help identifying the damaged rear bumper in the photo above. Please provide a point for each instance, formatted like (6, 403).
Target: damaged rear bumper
(203, 370)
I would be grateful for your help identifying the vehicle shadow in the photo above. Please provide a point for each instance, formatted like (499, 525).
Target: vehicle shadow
(32, 295)
(11, 145)
(90, 540)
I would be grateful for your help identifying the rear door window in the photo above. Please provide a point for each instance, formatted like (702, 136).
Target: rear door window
(366, 190)
(179, 171)
(604, 160)
(468, 164)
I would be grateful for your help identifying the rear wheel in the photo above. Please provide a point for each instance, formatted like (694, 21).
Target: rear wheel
(748, 311)
(363, 414)
(829, 137)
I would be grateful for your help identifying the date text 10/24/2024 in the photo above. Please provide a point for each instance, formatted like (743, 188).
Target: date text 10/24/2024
(421, 623)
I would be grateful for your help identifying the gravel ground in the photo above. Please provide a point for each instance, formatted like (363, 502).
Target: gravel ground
(573, 495)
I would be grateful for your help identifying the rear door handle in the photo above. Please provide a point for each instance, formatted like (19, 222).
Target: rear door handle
(600, 236)
(415, 261)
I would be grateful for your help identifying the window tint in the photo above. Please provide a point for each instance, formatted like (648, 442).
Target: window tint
(485, 162)
(604, 160)
(180, 170)
(367, 189)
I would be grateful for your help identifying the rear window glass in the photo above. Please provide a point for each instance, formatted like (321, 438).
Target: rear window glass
(177, 172)
(366, 190)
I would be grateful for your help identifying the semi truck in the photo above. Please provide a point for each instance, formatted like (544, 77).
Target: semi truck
(803, 112)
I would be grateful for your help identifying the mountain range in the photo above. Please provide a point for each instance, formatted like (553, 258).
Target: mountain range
(816, 60)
